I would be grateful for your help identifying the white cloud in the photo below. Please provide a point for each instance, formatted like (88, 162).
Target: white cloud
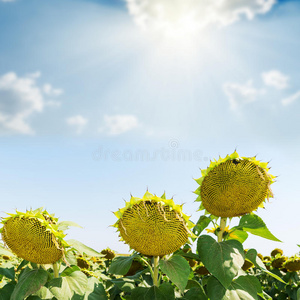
(7, 0)
(53, 103)
(289, 100)
(118, 124)
(49, 90)
(20, 98)
(163, 14)
(240, 94)
(34, 75)
(78, 122)
(275, 79)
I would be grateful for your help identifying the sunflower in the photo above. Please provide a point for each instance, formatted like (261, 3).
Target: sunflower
(276, 251)
(247, 265)
(215, 230)
(82, 263)
(152, 225)
(201, 270)
(34, 236)
(108, 253)
(278, 262)
(234, 186)
(292, 264)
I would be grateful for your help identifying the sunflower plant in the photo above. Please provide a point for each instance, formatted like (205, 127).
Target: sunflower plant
(39, 261)
(155, 228)
(232, 187)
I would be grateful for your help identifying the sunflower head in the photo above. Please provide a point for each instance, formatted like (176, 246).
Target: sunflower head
(292, 264)
(201, 270)
(276, 251)
(34, 236)
(153, 226)
(278, 262)
(260, 256)
(108, 253)
(216, 230)
(247, 265)
(82, 263)
(234, 186)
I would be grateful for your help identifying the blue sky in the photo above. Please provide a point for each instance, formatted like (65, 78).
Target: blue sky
(87, 86)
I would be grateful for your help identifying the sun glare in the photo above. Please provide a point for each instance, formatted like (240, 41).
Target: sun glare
(178, 27)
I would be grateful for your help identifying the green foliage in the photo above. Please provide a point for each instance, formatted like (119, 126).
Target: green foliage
(243, 288)
(68, 286)
(163, 292)
(121, 264)
(195, 293)
(239, 235)
(7, 290)
(202, 223)
(29, 282)
(95, 290)
(252, 256)
(8, 272)
(255, 225)
(223, 260)
(177, 269)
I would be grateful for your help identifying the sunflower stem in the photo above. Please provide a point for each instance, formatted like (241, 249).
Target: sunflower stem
(155, 270)
(149, 266)
(222, 228)
(55, 270)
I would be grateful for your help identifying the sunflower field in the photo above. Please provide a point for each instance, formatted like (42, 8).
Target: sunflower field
(38, 262)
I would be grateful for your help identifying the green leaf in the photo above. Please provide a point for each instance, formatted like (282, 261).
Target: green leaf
(139, 293)
(243, 288)
(69, 270)
(223, 260)
(195, 293)
(95, 290)
(255, 225)
(29, 282)
(83, 249)
(247, 283)
(121, 264)
(68, 287)
(239, 235)
(164, 292)
(64, 225)
(155, 293)
(252, 256)
(188, 255)
(124, 284)
(167, 290)
(202, 223)
(8, 272)
(22, 264)
(44, 293)
(177, 269)
(6, 291)
(193, 284)
(71, 257)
